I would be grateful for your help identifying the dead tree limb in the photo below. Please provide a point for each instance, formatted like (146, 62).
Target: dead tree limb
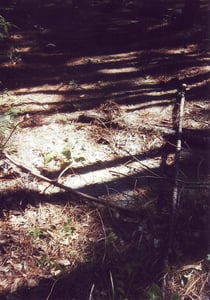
(25, 118)
(84, 196)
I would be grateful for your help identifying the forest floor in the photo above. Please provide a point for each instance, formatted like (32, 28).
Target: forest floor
(89, 101)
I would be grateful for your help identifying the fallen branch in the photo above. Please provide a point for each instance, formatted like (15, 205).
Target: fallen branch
(98, 200)
(25, 118)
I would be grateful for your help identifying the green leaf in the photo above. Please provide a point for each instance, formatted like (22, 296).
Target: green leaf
(42, 262)
(49, 157)
(72, 83)
(35, 233)
(79, 159)
(67, 152)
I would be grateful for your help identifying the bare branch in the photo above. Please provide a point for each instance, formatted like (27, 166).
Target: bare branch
(98, 200)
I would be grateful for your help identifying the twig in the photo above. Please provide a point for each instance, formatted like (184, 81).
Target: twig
(25, 118)
(54, 182)
(105, 236)
(51, 290)
(85, 196)
(112, 285)
(91, 291)
(64, 171)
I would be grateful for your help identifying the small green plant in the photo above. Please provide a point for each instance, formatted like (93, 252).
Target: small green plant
(14, 56)
(46, 263)
(4, 27)
(79, 159)
(72, 83)
(64, 157)
(43, 262)
(35, 233)
(49, 156)
(67, 152)
(154, 292)
(68, 228)
(112, 238)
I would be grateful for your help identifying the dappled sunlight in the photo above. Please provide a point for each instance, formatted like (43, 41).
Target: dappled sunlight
(157, 26)
(119, 71)
(40, 102)
(123, 56)
(90, 106)
(193, 48)
(160, 93)
(104, 59)
(192, 72)
(40, 89)
(112, 174)
(23, 49)
(163, 103)
(119, 22)
(17, 37)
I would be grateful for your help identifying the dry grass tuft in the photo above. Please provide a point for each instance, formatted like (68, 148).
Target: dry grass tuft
(190, 282)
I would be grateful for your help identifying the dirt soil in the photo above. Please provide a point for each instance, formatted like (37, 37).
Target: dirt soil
(89, 99)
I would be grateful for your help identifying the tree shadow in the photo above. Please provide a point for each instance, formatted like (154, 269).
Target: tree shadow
(139, 251)
(146, 53)
(117, 34)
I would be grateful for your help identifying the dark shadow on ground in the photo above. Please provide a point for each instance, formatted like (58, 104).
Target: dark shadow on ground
(116, 34)
(116, 48)
(129, 266)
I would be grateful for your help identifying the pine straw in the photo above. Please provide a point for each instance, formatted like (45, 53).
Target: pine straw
(44, 242)
(190, 282)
